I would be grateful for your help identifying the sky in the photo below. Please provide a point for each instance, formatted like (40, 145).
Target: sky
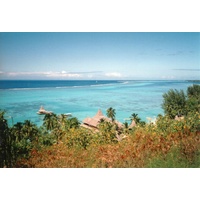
(100, 55)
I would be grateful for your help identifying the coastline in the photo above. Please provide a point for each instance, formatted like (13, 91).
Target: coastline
(141, 97)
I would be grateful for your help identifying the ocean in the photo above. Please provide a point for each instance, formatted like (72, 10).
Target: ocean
(22, 99)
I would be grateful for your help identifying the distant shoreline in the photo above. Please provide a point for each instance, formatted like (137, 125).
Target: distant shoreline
(196, 81)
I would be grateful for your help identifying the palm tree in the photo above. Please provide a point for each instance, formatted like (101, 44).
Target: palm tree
(62, 120)
(134, 117)
(111, 113)
(125, 127)
(17, 131)
(50, 121)
(30, 129)
(72, 123)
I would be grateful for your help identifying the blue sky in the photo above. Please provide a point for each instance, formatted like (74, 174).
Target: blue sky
(132, 56)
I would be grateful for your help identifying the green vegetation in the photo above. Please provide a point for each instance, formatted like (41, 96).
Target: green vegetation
(134, 117)
(111, 113)
(63, 142)
(177, 103)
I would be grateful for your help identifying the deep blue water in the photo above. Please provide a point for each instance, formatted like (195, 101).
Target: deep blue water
(22, 99)
(17, 84)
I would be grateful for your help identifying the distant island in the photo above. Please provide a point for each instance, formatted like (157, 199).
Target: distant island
(195, 81)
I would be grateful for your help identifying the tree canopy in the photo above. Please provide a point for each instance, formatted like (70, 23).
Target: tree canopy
(178, 103)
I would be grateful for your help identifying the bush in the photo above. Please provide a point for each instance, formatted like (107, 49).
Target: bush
(177, 103)
(194, 91)
(174, 103)
(15, 142)
(193, 102)
(78, 138)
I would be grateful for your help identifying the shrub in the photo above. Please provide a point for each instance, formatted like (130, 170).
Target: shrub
(193, 91)
(174, 103)
(177, 103)
(193, 102)
(78, 138)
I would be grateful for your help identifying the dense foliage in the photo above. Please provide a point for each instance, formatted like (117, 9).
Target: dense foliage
(177, 103)
(63, 142)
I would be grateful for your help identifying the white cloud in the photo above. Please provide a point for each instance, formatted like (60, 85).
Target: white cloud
(113, 74)
(60, 75)
(44, 74)
(25, 73)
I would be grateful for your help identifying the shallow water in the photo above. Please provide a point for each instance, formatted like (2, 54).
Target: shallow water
(83, 98)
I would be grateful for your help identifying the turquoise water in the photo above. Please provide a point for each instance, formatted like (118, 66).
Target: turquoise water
(83, 100)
